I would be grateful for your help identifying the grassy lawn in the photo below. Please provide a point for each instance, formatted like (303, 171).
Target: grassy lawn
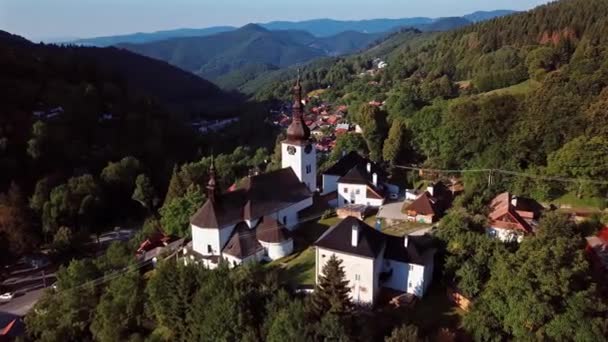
(572, 200)
(404, 228)
(518, 89)
(300, 267)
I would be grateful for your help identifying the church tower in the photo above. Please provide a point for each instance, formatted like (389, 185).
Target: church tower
(297, 150)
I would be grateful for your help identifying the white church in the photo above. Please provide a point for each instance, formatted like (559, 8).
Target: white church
(254, 221)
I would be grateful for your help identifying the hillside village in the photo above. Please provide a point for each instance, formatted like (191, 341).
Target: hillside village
(447, 185)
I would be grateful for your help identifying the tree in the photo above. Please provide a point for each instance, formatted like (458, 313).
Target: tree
(41, 194)
(396, 143)
(37, 145)
(177, 186)
(119, 313)
(287, 322)
(144, 192)
(332, 292)
(404, 333)
(175, 217)
(15, 224)
(121, 173)
(373, 123)
(170, 293)
(539, 291)
(584, 158)
(349, 142)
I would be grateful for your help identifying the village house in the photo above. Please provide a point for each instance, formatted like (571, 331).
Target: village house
(252, 222)
(357, 181)
(597, 253)
(429, 206)
(512, 217)
(374, 261)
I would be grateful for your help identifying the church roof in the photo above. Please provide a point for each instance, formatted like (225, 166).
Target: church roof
(270, 230)
(298, 132)
(242, 242)
(257, 196)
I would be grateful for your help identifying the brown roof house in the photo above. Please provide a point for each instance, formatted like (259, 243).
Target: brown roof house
(512, 217)
(252, 222)
(373, 261)
(430, 205)
(358, 181)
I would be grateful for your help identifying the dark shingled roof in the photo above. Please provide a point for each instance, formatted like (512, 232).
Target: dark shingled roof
(349, 161)
(242, 242)
(423, 205)
(371, 243)
(270, 230)
(338, 238)
(257, 196)
(414, 253)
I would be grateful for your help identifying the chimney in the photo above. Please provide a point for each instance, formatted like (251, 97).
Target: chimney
(343, 153)
(375, 179)
(355, 235)
(405, 240)
(514, 201)
(431, 189)
(369, 167)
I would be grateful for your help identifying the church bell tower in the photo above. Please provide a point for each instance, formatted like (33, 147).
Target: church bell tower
(297, 150)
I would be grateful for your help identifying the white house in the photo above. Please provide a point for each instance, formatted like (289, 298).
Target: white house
(512, 218)
(358, 181)
(373, 260)
(252, 222)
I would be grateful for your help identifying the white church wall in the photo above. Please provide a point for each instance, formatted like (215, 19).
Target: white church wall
(210, 241)
(280, 250)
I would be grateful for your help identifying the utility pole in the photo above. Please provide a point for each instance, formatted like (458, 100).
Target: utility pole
(43, 279)
(490, 180)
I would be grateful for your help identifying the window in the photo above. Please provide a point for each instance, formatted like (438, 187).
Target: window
(322, 255)
(411, 267)
(345, 202)
(345, 190)
(358, 191)
(209, 249)
(308, 169)
(284, 219)
(357, 277)
(409, 284)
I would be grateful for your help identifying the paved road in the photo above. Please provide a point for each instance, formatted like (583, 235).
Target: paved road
(27, 284)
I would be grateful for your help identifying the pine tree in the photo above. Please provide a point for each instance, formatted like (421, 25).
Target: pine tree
(176, 186)
(332, 291)
(394, 144)
(144, 192)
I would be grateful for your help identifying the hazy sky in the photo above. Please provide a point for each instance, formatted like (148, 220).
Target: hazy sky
(38, 19)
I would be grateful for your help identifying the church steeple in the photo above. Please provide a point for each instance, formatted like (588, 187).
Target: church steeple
(298, 132)
(212, 184)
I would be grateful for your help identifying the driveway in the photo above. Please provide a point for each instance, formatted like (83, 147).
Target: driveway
(392, 211)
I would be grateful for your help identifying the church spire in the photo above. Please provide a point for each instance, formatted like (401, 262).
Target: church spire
(298, 132)
(212, 184)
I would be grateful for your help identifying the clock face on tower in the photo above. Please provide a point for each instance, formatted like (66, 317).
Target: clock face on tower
(291, 150)
(308, 149)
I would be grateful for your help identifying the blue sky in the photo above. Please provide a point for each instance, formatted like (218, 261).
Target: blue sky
(39, 19)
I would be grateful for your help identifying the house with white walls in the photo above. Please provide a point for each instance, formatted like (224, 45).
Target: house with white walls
(357, 181)
(430, 205)
(252, 221)
(373, 261)
(511, 217)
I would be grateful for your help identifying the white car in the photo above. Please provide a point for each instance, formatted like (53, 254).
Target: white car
(6, 297)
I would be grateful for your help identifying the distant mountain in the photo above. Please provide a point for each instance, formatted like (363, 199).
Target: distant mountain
(330, 27)
(139, 38)
(487, 15)
(236, 56)
(316, 27)
(444, 24)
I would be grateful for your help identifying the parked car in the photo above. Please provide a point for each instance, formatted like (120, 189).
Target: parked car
(6, 297)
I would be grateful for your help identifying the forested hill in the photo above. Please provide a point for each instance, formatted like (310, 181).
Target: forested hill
(525, 92)
(251, 48)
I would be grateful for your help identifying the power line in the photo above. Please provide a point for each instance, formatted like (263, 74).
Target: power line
(508, 173)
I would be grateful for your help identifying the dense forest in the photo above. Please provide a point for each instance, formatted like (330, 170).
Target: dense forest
(83, 134)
